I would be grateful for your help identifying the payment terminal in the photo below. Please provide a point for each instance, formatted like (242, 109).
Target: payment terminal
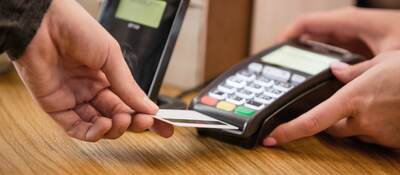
(146, 31)
(271, 88)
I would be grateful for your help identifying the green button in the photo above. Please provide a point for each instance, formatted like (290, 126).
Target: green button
(243, 111)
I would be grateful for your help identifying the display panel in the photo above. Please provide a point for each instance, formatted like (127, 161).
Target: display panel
(145, 12)
(299, 59)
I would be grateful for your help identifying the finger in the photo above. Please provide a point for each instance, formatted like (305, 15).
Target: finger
(366, 139)
(343, 128)
(120, 124)
(322, 23)
(79, 129)
(346, 73)
(316, 120)
(87, 112)
(85, 87)
(111, 106)
(120, 121)
(293, 31)
(141, 122)
(163, 129)
(123, 84)
(321, 38)
(108, 103)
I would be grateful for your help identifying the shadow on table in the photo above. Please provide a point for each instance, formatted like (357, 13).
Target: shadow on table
(324, 146)
(192, 150)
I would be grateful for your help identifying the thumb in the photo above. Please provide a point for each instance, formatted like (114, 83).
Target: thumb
(123, 84)
(346, 73)
(314, 121)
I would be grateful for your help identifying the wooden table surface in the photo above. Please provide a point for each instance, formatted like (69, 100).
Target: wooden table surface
(31, 143)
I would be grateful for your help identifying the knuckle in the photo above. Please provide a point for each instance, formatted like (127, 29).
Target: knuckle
(355, 103)
(311, 126)
(366, 139)
(114, 45)
(364, 125)
(70, 130)
(333, 131)
(350, 73)
(122, 128)
(118, 108)
(282, 134)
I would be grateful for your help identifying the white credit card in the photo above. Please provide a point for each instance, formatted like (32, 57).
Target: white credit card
(189, 118)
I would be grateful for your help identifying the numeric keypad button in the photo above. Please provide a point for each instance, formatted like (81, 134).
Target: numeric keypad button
(264, 81)
(255, 67)
(282, 86)
(236, 82)
(226, 88)
(275, 93)
(217, 94)
(265, 99)
(276, 74)
(254, 105)
(246, 75)
(245, 94)
(236, 100)
(298, 79)
(256, 88)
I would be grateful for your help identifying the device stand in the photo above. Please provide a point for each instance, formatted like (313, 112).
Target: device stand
(170, 103)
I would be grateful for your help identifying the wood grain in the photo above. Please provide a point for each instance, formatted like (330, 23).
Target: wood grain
(31, 143)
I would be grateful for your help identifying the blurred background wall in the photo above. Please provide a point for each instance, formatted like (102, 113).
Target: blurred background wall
(271, 17)
(220, 33)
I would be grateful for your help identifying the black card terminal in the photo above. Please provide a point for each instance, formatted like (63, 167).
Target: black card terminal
(271, 88)
(147, 31)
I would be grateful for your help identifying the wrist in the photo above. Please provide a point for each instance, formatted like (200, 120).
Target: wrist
(64, 21)
(21, 22)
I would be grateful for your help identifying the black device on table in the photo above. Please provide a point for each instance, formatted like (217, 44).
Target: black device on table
(147, 31)
(271, 88)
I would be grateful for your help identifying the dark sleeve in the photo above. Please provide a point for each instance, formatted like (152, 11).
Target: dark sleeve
(19, 21)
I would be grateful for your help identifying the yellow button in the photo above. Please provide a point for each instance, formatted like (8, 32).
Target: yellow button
(226, 106)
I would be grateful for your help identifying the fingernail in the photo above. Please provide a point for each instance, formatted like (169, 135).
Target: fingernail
(154, 107)
(269, 141)
(339, 66)
(91, 134)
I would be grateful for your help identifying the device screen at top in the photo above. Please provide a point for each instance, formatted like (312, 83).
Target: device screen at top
(145, 12)
(299, 59)
(142, 28)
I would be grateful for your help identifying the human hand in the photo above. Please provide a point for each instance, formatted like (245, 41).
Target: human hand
(367, 107)
(76, 72)
(364, 31)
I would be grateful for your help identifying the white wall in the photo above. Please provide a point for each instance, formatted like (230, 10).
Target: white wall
(272, 16)
(92, 6)
(186, 69)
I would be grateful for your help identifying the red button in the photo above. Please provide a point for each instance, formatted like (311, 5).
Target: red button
(209, 101)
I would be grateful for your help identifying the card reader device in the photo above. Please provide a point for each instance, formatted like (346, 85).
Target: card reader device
(271, 88)
(147, 31)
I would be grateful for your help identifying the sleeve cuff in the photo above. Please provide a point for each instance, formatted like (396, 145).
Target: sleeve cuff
(19, 22)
